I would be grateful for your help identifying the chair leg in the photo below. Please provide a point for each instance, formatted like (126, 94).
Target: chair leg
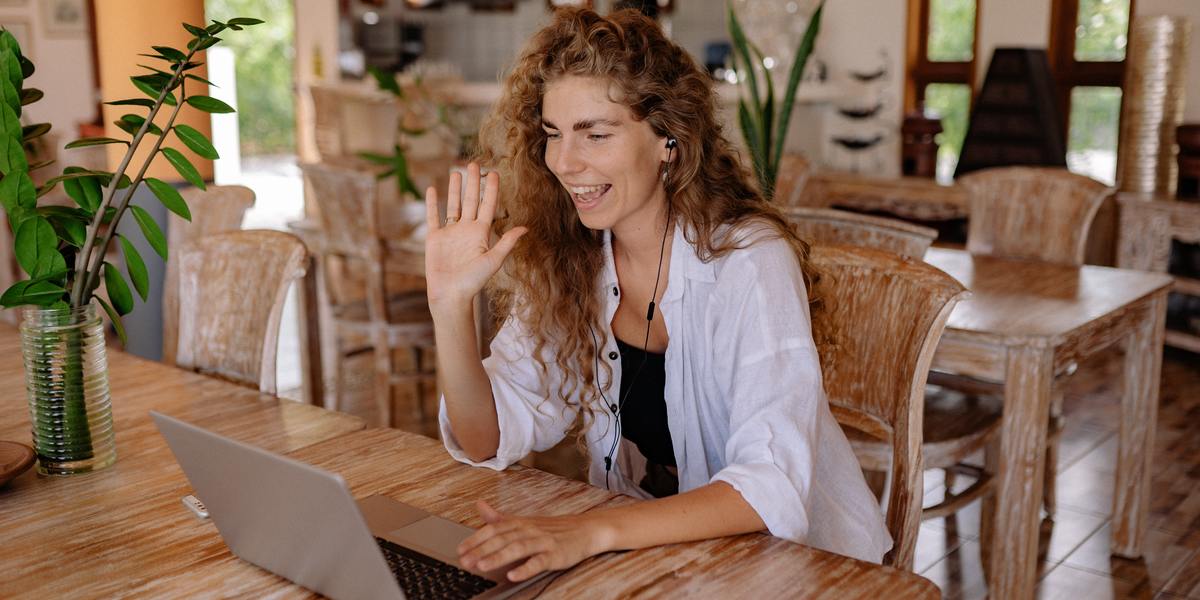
(418, 385)
(991, 462)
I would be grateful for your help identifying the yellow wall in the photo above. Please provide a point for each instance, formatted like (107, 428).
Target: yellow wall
(124, 29)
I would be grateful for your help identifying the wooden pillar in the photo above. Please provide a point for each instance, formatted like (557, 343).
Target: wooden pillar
(125, 29)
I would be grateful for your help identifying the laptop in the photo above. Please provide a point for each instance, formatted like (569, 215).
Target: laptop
(301, 523)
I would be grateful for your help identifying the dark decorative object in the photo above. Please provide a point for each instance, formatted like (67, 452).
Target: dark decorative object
(1015, 120)
(869, 77)
(857, 144)
(859, 113)
(919, 147)
(1188, 138)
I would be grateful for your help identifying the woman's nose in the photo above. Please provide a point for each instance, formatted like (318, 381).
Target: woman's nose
(565, 158)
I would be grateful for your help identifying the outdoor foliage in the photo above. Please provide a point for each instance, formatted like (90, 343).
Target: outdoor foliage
(263, 64)
(62, 249)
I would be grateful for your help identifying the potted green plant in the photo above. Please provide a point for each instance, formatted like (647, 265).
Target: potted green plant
(763, 126)
(64, 249)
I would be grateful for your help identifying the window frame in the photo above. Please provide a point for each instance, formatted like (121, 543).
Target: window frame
(921, 71)
(1070, 73)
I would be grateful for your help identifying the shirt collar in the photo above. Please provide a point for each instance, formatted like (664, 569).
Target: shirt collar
(685, 264)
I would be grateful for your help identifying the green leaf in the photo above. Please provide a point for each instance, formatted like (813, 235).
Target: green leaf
(184, 167)
(118, 290)
(131, 124)
(35, 239)
(31, 132)
(216, 27)
(209, 104)
(115, 318)
(150, 229)
(244, 21)
(208, 42)
(386, 81)
(170, 53)
(12, 154)
(196, 141)
(199, 32)
(38, 293)
(200, 79)
(148, 103)
(741, 49)
(146, 85)
(136, 267)
(27, 67)
(803, 51)
(31, 95)
(752, 140)
(11, 80)
(94, 141)
(170, 197)
(69, 230)
(52, 212)
(51, 265)
(16, 192)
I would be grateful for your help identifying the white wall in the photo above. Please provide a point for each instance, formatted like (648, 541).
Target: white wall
(1010, 23)
(64, 72)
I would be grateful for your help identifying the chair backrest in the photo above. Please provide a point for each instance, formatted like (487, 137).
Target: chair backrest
(347, 201)
(218, 209)
(794, 170)
(348, 121)
(232, 287)
(1039, 213)
(825, 226)
(876, 322)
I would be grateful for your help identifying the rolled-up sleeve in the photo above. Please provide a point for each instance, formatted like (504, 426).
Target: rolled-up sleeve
(770, 374)
(530, 416)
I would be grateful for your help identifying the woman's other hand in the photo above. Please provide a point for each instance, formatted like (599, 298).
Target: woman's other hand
(458, 259)
(533, 544)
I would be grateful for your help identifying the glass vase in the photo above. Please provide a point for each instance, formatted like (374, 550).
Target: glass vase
(66, 382)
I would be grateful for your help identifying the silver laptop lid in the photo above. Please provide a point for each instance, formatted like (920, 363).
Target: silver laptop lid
(290, 518)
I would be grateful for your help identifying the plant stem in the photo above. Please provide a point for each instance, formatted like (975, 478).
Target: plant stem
(81, 291)
(94, 271)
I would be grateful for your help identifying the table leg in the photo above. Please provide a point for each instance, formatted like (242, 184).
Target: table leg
(1016, 503)
(1139, 416)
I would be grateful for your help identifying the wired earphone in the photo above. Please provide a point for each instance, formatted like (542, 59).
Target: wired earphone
(615, 409)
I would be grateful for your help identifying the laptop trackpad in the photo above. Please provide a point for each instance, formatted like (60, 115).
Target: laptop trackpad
(435, 535)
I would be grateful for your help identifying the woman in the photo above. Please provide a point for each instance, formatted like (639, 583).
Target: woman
(627, 201)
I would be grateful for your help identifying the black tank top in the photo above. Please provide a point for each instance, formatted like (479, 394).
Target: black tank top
(644, 406)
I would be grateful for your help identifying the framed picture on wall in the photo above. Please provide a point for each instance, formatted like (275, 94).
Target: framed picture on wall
(21, 30)
(68, 18)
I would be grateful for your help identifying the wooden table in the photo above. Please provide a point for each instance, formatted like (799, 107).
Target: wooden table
(123, 532)
(917, 198)
(1025, 322)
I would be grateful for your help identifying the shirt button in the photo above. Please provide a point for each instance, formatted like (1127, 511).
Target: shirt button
(616, 292)
(613, 355)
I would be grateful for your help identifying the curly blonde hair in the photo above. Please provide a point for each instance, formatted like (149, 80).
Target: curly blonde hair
(555, 269)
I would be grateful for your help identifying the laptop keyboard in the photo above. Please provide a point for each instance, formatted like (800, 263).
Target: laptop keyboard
(421, 576)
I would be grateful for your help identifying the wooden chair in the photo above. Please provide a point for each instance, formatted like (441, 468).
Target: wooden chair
(219, 209)
(348, 203)
(348, 122)
(1036, 213)
(823, 226)
(794, 170)
(232, 287)
(876, 322)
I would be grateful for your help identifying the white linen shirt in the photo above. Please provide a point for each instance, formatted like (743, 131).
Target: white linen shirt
(745, 403)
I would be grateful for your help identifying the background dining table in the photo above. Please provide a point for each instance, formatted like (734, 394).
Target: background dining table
(1024, 323)
(123, 532)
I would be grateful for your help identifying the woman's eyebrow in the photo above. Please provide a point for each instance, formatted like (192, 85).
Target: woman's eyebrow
(584, 124)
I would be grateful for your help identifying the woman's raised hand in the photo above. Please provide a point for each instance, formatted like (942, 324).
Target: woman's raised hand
(458, 259)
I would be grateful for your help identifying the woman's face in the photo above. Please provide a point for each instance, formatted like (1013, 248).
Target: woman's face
(608, 162)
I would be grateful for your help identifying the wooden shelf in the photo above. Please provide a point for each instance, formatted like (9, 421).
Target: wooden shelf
(1185, 341)
(1186, 285)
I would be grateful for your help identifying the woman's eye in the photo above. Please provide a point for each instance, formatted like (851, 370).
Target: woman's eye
(599, 136)
(552, 136)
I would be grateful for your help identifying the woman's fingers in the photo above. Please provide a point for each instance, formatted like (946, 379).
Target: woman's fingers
(536, 564)
(505, 245)
(432, 220)
(454, 199)
(515, 550)
(487, 208)
(470, 202)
